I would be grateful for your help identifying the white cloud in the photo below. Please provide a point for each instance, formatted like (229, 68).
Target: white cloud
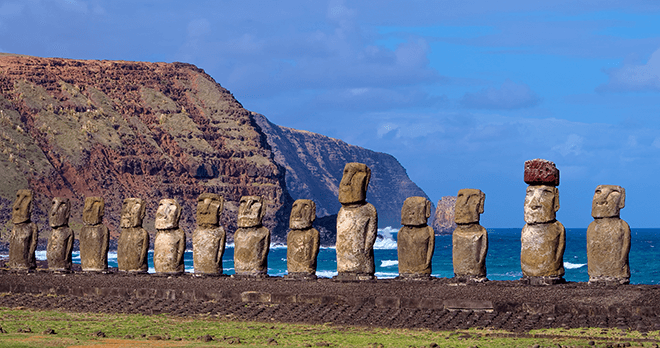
(572, 145)
(509, 96)
(632, 78)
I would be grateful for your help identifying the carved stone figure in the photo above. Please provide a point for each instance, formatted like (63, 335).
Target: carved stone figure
(209, 237)
(470, 239)
(133, 243)
(170, 241)
(543, 239)
(303, 241)
(94, 237)
(416, 239)
(608, 237)
(60, 243)
(252, 239)
(24, 235)
(357, 225)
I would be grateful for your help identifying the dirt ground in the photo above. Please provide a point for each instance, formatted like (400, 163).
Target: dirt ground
(438, 304)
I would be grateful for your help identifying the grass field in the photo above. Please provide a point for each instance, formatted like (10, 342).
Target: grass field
(28, 328)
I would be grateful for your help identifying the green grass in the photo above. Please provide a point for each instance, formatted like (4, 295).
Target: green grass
(78, 329)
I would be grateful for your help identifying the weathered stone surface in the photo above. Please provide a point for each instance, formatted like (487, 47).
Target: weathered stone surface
(541, 172)
(303, 241)
(443, 218)
(251, 240)
(170, 241)
(60, 243)
(608, 237)
(94, 237)
(469, 240)
(541, 204)
(357, 225)
(542, 250)
(415, 240)
(209, 238)
(133, 243)
(24, 234)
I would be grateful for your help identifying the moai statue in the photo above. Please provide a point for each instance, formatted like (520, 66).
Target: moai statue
(470, 240)
(94, 237)
(60, 243)
(357, 225)
(209, 237)
(303, 241)
(543, 239)
(24, 235)
(133, 243)
(251, 239)
(170, 241)
(608, 237)
(416, 239)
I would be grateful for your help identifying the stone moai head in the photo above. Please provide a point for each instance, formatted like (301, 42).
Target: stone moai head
(59, 212)
(93, 210)
(22, 209)
(132, 212)
(303, 214)
(209, 208)
(469, 206)
(541, 204)
(415, 211)
(168, 214)
(251, 211)
(608, 201)
(354, 183)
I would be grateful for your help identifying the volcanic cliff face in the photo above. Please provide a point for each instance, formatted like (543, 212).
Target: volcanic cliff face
(117, 129)
(315, 163)
(443, 218)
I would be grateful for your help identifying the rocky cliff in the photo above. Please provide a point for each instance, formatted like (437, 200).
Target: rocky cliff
(315, 163)
(443, 219)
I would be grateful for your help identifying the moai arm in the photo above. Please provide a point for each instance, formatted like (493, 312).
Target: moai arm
(106, 239)
(182, 249)
(264, 250)
(625, 250)
(431, 247)
(35, 239)
(221, 246)
(372, 230)
(315, 243)
(145, 248)
(562, 244)
(69, 246)
(484, 246)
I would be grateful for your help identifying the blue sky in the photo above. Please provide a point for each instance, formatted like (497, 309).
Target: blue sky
(461, 93)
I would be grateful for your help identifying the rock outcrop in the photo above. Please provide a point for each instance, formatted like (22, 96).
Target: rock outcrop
(443, 219)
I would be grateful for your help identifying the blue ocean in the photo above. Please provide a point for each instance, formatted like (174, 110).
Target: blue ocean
(503, 260)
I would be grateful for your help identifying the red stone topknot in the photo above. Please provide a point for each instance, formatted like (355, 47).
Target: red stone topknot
(541, 172)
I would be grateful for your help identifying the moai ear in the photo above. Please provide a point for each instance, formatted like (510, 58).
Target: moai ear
(427, 209)
(622, 200)
(556, 201)
(262, 211)
(482, 200)
(367, 179)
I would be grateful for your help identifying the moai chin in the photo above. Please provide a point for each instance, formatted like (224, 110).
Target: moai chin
(357, 225)
(133, 243)
(251, 239)
(608, 237)
(94, 237)
(60, 243)
(543, 239)
(415, 240)
(303, 241)
(470, 239)
(209, 237)
(24, 236)
(170, 241)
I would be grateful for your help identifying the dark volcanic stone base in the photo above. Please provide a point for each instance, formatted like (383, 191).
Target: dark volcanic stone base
(346, 276)
(543, 280)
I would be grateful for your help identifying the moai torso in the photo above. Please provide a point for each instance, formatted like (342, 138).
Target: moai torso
(608, 237)
(94, 237)
(357, 224)
(24, 235)
(170, 241)
(470, 239)
(209, 237)
(303, 241)
(415, 240)
(543, 238)
(133, 243)
(251, 239)
(60, 243)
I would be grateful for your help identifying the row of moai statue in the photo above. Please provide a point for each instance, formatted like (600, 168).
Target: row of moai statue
(543, 238)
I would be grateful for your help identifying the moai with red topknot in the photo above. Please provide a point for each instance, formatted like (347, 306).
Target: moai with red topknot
(543, 239)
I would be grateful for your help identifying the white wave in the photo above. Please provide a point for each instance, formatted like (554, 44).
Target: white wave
(386, 275)
(569, 265)
(229, 246)
(389, 263)
(40, 255)
(326, 274)
(329, 247)
(278, 246)
(385, 244)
